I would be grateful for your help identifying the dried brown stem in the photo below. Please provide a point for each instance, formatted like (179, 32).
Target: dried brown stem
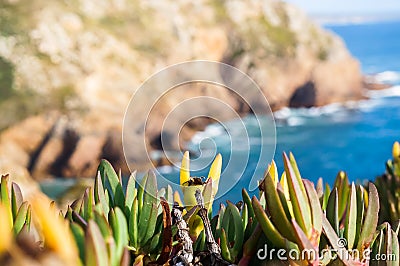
(185, 255)
(212, 246)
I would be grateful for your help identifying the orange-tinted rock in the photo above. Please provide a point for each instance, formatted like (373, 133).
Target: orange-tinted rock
(85, 158)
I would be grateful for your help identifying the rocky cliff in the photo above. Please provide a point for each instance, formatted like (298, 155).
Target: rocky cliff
(68, 69)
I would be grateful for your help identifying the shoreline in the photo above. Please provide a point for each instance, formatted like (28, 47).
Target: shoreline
(374, 86)
(71, 186)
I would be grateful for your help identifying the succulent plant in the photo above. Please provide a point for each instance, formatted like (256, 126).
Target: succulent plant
(292, 218)
(113, 222)
(355, 229)
(389, 188)
(229, 228)
(36, 235)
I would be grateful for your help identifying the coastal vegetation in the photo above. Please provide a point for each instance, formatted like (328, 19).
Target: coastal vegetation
(120, 221)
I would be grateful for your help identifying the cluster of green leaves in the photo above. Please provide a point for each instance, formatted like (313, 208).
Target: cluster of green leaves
(125, 223)
(18, 211)
(295, 215)
(113, 225)
(352, 213)
(291, 214)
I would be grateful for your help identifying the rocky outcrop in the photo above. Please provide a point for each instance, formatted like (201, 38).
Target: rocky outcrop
(85, 59)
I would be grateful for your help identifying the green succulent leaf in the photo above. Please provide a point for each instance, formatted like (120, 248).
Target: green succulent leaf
(276, 210)
(371, 218)
(88, 204)
(5, 197)
(250, 246)
(16, 198)
(226, 222)
(378, 244)
(96, 250)
(79, 236)
(266, 225)
(350, 228)
(360, 211)
(155, 243)
(108, 173)
(395, 249)
(325, 198)
(332, 210)
(238, 230)
(141, 190)
(131, 191)
(103, 225)
(120, 232)
(225, 246)
(245, 216)
(28, 218)
(284, 201)
(100, 195)
(298, 195)
(247, 201)
(133, 224)
(305, 244)
(169, 196)
(20, 218)
(149, 212)
(391, 245)
(315, 206)
(334, 240)
(119, 197)
(343, 188)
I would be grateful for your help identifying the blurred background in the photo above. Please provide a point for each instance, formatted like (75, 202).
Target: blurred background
(329, 69)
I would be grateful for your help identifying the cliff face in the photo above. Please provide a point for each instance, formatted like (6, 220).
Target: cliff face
(75, 64)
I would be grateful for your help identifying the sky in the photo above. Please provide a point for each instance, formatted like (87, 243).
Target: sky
(348, 7)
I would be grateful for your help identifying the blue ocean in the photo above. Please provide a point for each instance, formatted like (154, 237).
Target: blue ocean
(355, 137)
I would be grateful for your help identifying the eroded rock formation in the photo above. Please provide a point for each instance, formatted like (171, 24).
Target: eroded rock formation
(84, 59)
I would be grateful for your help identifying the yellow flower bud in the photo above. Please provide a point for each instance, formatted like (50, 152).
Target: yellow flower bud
(185, 169)
(396, 151)
(215, 174)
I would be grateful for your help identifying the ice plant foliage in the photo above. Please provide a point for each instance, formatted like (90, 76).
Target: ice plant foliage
(130, 222)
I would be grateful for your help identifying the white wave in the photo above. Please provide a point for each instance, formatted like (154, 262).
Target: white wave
(283, 113)
(390, 92)
(295, 121)
(387, 77)
(367, 105)
(287, 113)
(165, 169)
(300, 116)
